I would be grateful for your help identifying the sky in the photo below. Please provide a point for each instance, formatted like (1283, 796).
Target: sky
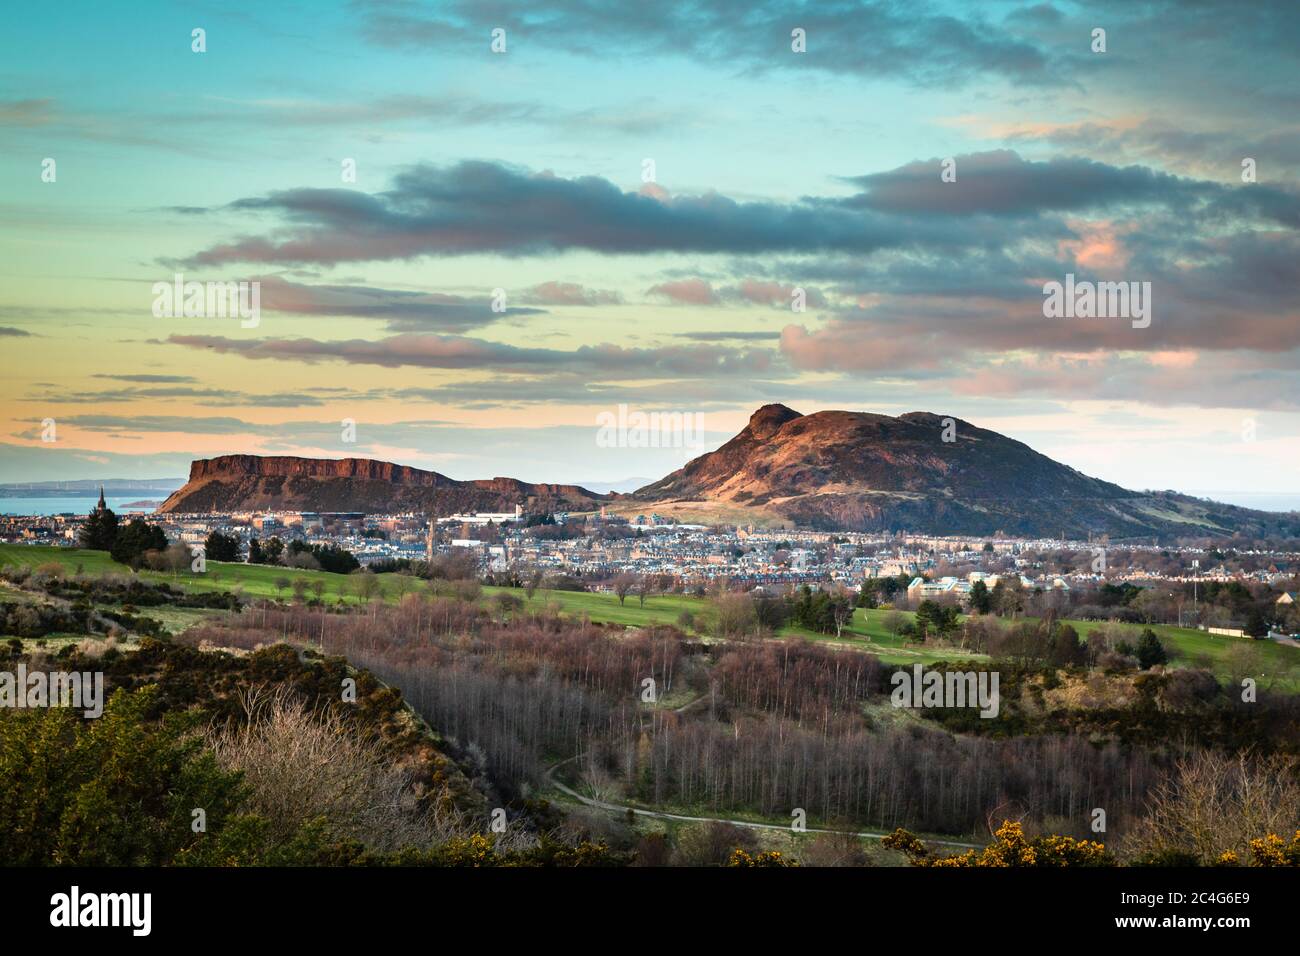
(477, 228)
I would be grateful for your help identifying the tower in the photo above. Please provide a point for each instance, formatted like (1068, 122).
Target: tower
(103, 505)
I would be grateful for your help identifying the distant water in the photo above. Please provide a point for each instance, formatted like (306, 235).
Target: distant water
(1259, 500)
(70, 505)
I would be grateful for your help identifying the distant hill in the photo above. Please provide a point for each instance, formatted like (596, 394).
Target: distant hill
(834, 470)
(253, 482)
(82, 487)
(861, 471)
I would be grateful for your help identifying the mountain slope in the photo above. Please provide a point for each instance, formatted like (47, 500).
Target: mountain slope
(861, 471)
(252, 482)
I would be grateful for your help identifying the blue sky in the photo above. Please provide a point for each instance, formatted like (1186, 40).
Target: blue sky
(524, 171)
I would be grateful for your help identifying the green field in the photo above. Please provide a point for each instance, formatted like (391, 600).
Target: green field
(1226, 656)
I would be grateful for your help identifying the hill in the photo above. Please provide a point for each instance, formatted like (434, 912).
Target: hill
(253, 482)
(839, 470)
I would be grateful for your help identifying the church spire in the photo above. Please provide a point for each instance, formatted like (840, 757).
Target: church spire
(103, 505)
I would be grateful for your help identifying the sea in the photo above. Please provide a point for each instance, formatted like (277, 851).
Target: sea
(71, 504)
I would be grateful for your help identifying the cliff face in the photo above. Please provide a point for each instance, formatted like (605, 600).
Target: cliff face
(253, 482)
(241, 466)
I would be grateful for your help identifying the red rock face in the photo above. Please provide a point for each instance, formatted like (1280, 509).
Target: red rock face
(241, 466)
(286, 483)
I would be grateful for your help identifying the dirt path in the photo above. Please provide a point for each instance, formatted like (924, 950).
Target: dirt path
(660, 815)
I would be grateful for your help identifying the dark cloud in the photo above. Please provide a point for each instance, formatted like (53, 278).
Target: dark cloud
(402, 310)
(146, 377)
(734, 335)
(456, 352)
(6, 330)
(920, 43)
(482, 207)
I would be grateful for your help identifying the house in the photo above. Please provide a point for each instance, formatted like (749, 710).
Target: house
(1288, 597)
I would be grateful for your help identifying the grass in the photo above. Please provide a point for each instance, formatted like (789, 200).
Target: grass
(1225, 656)
(255, 580)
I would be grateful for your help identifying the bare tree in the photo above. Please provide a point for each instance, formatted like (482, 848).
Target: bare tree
(623, 584)
(1215, 804)
(302, 765)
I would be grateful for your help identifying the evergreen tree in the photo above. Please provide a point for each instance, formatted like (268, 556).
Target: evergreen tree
(135, 539)
(221, 547)
(100, 530)
(1150, 651)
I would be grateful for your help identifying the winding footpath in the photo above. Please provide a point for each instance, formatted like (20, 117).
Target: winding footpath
(660, 815)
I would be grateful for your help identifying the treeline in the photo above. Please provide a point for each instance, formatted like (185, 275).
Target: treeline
(767, 727)
(889, 777)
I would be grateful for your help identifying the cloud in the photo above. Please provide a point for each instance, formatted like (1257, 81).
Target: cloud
(28, 112)
(484, 207)
(457, 352)
(570, 293)
(402, 310)
(481, 207)
(701, 292)
(686, 292)
(921, 43)
(146, 377)
(13, 333)
(1001, 183)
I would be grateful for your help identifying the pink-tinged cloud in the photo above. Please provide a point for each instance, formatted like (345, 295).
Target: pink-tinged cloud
(855, 347)
(1099, 246)
(686, 292)
(570, 293)
(777, 294)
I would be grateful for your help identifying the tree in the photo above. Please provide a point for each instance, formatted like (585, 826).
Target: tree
(1008, 597)
(933, 618)
(1150, 651)
(841, 612)
(117, 791)
(645, 585)
(267, 552)
(1066, 648)
(221, 547)
(99, 531)
(368, 587)
(623, 584)
(534, 582)
(894, 621)
(981, 602)
(1256, 626)
(734, 615)
(135, 539)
